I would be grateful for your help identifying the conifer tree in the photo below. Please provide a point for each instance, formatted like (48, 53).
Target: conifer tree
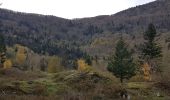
(121, 64)
(88, 59)
(150, 50)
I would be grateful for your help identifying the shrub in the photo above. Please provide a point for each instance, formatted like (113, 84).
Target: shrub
(7, 64)
(82, 66)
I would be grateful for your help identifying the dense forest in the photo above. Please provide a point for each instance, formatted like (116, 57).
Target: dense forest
(53, 35)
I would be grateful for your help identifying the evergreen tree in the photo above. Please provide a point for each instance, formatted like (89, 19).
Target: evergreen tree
(121, 64)
(150, 50)
(2, 44)
(88, 59)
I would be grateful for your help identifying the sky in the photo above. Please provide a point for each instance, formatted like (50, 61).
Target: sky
(71, 8)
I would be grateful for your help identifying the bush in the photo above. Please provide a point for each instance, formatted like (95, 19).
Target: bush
(82, 66)
(7, 64)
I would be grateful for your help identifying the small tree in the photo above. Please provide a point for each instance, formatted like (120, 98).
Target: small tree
(7, 64)
(150, 50)
(21, 56)
(83, 66)
(146, 71)
(2, 50)
(43, 64)
(88, 59)
(121, 65)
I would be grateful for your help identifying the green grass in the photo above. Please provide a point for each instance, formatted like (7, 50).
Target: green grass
(139, 85)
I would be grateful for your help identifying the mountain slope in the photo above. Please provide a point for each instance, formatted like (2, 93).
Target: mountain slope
(135, 19)
(55, 35)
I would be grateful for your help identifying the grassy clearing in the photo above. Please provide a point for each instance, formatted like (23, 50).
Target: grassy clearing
(74, 85)
(64, 85)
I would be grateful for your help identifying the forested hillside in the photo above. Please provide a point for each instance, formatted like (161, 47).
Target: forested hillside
(53, 35)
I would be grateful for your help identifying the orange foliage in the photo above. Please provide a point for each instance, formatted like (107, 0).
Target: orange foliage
(20, 58)
(146, 71)
(82, 66)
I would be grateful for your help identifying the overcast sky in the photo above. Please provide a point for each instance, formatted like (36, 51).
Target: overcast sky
(71, 8)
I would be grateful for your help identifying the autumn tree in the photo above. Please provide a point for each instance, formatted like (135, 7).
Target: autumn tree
(150, 50)
(7, 64)
(83, 66)
(21, 55)
(146, 72)
(121, 64)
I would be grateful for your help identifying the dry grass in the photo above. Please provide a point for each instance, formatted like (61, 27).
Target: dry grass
(16, 74)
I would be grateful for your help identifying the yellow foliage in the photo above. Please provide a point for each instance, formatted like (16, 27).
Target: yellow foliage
(7, 64)
(20, 58)
(54, 64)
(21, 54)
(146, 71)
(21, 49)
(82, 66)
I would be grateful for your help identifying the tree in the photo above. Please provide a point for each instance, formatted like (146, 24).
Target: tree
(83, 66)
(88, 59)
(150, 50)
(43, 64)
(121, 64)
(21, 56)
(71, 55)
(146, 72)
(7, 64)
(2, 50)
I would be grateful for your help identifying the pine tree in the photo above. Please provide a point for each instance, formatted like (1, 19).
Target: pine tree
(150, 50)
(121, 64)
